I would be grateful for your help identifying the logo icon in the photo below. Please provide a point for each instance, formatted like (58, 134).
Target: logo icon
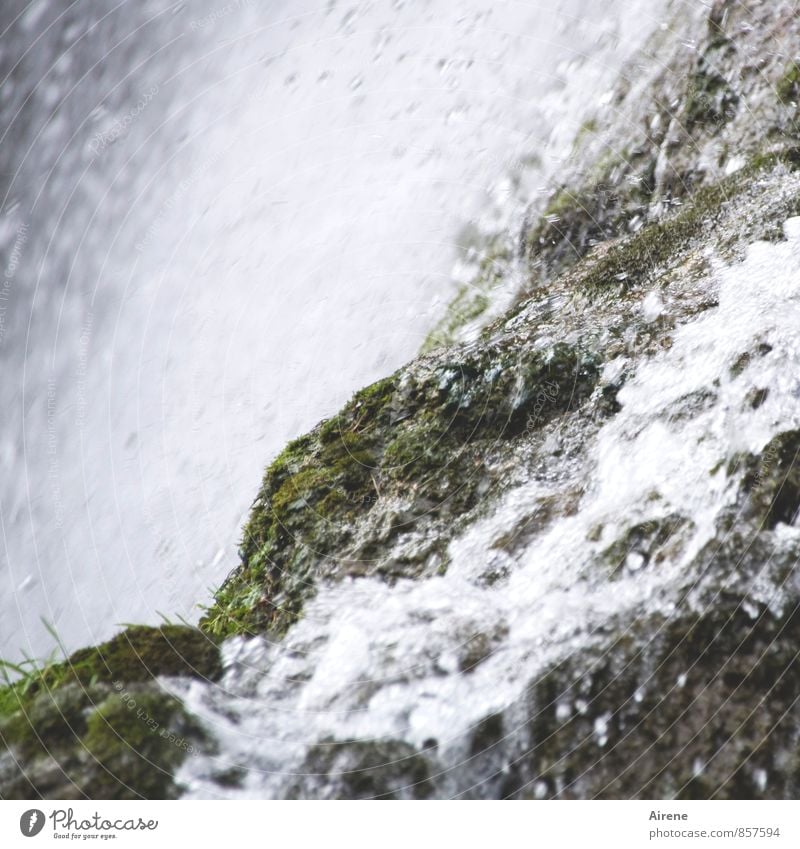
(31, 822)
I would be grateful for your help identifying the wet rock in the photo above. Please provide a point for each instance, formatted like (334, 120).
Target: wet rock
(689, 706)
(420, 445)
(375, 769)
(772, 481)
(647, 543)
(99, 724)
(683, 680)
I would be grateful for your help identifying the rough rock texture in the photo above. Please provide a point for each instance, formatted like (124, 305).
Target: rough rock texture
(100, 724)
(691, 693)
(382, 487)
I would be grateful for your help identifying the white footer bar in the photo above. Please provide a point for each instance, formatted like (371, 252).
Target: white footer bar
(404, 825)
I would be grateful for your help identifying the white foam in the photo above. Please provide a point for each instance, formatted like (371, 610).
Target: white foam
(381, 661)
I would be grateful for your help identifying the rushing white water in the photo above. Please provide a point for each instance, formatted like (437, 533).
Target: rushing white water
(369, 661)
(218, 220)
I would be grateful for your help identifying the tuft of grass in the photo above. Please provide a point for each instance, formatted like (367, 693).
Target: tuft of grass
(102, 716)
(19, 681)
(137, 654)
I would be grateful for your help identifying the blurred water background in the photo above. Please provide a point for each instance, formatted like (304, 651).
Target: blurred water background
(217, 221)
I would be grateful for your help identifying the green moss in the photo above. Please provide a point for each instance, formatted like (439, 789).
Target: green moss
(370, 402)
(423, 440)
(136, 740)
(466, 307)
(709, 100)
(362, 414)
(418, 450)
(659, 245)
(138, 654)
(788, 86)
(309, 497)
(498, 394)
(587, 128)
(662, 245)
(48, 721)
(576, 219)
(639, 256)
(472, 299)
(295, 491)
(99, 724)
(290, 458)
(562, 203)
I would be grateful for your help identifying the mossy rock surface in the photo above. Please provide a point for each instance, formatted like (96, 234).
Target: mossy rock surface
(99, 724)
(694, 698)
(676, 129)
(139, 653)
(711, 98)
(135, 741)
(423, 445)
(647, 544)
(422, 436)
(577, 219)
(788, 88)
